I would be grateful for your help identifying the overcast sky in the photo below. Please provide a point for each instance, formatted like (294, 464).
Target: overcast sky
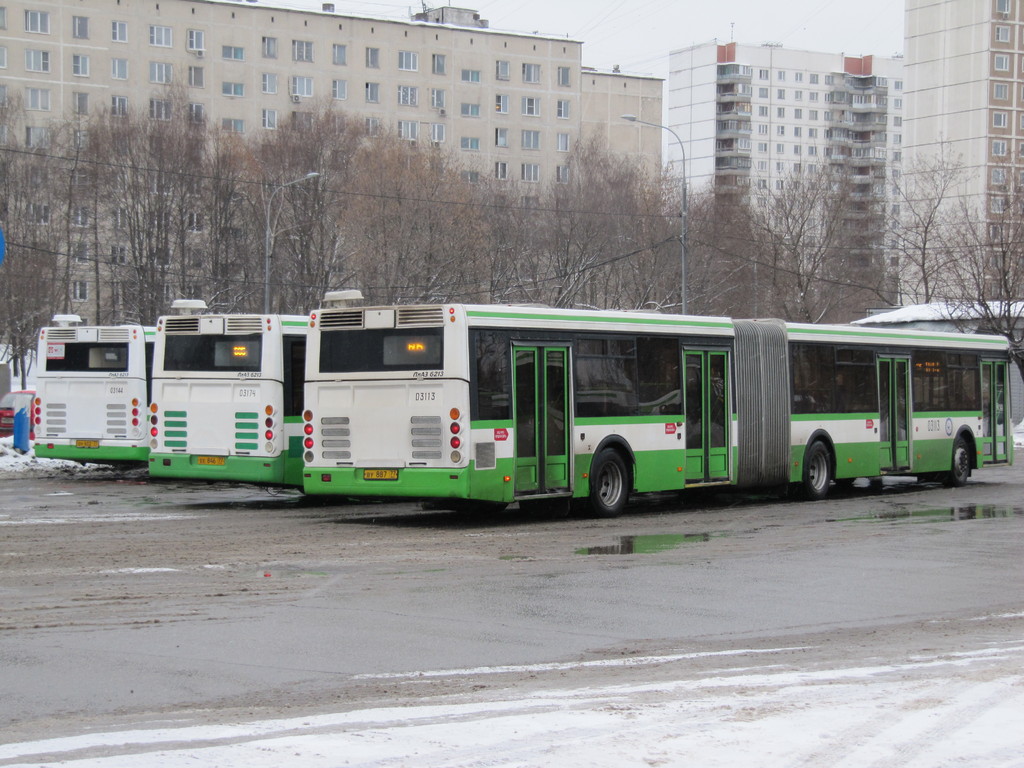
(637, 35)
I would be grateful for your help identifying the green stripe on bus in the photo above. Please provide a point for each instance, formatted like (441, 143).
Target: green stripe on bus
(175, 415)
(598, 319)
(246, 425)
(175, 443)
(968, 339)
(247, 415)
(176, 433)
(246, 446)
(175, 423)
(247, 435)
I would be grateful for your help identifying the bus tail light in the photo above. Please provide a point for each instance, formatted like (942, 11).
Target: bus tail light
(308, 442)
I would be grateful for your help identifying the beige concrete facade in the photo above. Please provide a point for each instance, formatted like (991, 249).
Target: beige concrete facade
(513, 105)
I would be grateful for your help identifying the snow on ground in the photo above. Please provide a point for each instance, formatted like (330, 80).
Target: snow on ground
(961, 709)
(12, 460)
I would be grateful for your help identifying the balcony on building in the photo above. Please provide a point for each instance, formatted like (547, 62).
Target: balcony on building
(734, 73)
(731, 92)
(732, 165)
(735, 128)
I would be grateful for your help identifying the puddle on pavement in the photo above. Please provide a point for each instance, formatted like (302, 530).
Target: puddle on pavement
(936, 515)
(648, 545)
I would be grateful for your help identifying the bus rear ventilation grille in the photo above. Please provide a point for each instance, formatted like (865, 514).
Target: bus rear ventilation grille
(115, 334)
(61, 334)
(253, 324)
(181, 324)
(341, 318)
(412, 316)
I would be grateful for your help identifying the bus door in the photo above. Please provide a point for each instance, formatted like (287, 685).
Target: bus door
(894, 412)
(540, 384)
(993, 411)
(706, 404)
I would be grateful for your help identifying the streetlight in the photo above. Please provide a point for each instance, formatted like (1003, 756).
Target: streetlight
(268, 236)
(683, 212)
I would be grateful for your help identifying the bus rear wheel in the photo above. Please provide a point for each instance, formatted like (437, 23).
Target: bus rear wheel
(817, 474)
(609, 484)
(961, 465)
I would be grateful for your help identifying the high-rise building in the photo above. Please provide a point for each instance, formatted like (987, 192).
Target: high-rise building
(512, 104)
(753, 115)
(965, 76)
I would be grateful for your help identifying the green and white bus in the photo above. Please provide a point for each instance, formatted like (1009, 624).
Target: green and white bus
(227, 397)
(509, 403)
(92, 392)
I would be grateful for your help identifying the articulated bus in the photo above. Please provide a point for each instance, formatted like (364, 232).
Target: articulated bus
(507, 403)
(227, 397)
(92, 392)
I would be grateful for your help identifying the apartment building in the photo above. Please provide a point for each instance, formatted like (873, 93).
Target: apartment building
(965, 71)
(753, 115)
(513, 105)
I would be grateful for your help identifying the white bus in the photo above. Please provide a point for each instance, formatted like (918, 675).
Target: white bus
(92, 392)
(227, 397)
(506, 403)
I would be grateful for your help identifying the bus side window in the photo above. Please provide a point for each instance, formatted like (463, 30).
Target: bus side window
(658, 375)
(493, 380)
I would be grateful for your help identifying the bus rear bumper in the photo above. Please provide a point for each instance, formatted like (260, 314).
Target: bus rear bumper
(268, 470)
(417, 482)
(102, 454)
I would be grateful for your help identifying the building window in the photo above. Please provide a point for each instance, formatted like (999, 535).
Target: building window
(79, 65)
(562, 174)
(1001, 62)
(999, 177)
(372, 125)
(531, 73)
(81, 103)
(998, 119)
(470, 110)
(232, 52)
(502, 70)
(762, 74)
(160, 109)
(562, 142)
(160, 72)
(302, 50)
(780, 93)
(37, 137)
(373, 58)
(501, 170)
(119, 69)
(408, 61)
(409, 129)
(1003, 6)
(530, 172)
(437, 98)
(301, 86)
(780, 111)
(119, 105)
(437, 132)
(531, 106)
(269, 82)
(37, 99)
(562, 109)
(80, 27)
(195, 40)
(3, 65)
(469, 143)
(408, 95)
(232, 125)
(373, 93)
(37, 61)
(531, 139)
(232, 89)
(339, 90)
(119, 31)
(159, 36)
(1002, 33)
(470, 75)
(1000, 91)
(762, 110)
(563, 76)
(501, 137)
(196, 113)
(270, 119)
(438, 63)
(196, 77)
(80, 290)
(501, 104)
(269, 47)
(37, 22)
(339, 55)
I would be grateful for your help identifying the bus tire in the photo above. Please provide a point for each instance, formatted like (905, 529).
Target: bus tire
(960, 468)
(817, 473)
(609, 484)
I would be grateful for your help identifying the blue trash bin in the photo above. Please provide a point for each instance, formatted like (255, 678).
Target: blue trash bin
(21, 430)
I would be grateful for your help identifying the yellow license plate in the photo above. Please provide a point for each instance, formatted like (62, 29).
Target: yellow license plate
(210, 461)
(380, 474)
(87, 443)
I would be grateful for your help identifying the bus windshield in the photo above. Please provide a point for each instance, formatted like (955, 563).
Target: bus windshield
(213, 353)
(382, 349)
(83, 357)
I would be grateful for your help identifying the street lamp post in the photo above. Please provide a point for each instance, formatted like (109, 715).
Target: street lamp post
(683, 212)
(268, 236)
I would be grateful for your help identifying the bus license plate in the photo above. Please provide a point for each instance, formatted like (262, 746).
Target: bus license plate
(87, 443)
(210, 461)
(380, 474)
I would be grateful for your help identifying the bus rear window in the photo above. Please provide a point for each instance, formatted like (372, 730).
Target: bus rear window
(213, 353)
(82, 357)
(382, 349)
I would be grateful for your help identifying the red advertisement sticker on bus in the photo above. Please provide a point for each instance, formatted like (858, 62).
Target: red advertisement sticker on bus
(500, 433)
(870, 423)
(670, 429)
(54, 351)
